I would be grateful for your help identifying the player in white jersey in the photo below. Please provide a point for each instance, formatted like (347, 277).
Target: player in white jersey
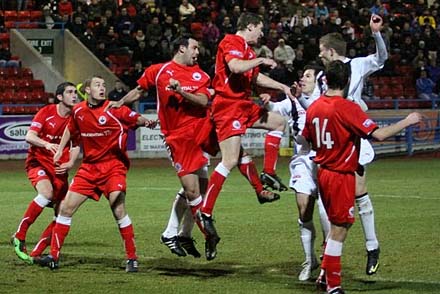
(303, 170)
(333, 47)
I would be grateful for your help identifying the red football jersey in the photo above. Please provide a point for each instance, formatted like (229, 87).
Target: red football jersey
(335, 125)
(225, 83)
(103, 134)
(173, 110)
(49, 126)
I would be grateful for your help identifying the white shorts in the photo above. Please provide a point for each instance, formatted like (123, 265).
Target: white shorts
(303, 175)
(366, 154)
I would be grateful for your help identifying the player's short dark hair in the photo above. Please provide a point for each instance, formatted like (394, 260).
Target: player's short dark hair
(313, 67)
(182, 40)
(62, 87)
(337, 74)
(334, 41)
(248, 18)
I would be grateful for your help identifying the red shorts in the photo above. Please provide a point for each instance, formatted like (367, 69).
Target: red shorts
(94, 179)
(233, 116)
(337, 193)
(59, 182)
(206, 137)
(185, 154)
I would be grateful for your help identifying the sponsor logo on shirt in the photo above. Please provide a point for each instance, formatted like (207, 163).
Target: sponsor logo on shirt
(102, 120)
(36, 124)
(368, 122)
(170, 72)
(52, 124)
(236, 125)
(196, 76)
(41, 173)
(236, 53)
(133, 113)
(102, 134)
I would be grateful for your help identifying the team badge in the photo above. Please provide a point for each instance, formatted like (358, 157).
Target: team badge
(196, 76)
(41, 173)
(102, 120)
(178, 167)
(368, 122)
(351, 211)
(236, 125)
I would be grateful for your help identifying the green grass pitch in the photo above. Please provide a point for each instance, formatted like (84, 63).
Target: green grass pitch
(260, 247)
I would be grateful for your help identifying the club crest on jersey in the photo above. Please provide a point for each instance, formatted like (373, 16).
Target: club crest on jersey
(178, 167)
(41, 173)
(236, 125)
(102, 120)
(196, 76)
(368, 122)
(351, 211)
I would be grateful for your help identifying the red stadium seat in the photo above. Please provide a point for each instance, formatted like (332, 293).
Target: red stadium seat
(26, 73)
(22, 97)
(23, 85)
(10, 24)
(36, 15)
(24, 15)
(10, 15)
(37, 85)
(7, 85)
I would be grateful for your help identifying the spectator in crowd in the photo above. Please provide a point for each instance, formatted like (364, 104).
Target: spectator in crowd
(284, 54)
(321, 10)
(425, 86)
(186, 11)
(5, 57)
(65, 7)
(154, 29)
(139, 54)
(118, 92)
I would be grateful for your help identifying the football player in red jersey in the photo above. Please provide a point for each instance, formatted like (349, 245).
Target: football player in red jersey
(237, 69)
(334, 126)
(49, 180)
(103, 136)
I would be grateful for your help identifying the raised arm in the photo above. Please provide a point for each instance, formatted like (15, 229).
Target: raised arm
(376, 24)
(266, 82)
(238, 66)
(388, 131)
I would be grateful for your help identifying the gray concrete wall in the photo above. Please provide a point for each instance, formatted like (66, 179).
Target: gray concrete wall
(71, 60)
(31, 58)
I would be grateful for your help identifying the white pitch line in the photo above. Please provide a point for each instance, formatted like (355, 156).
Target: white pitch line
(150, 188)
(407, 281)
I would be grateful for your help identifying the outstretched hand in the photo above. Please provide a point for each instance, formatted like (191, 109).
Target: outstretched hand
(151, 123)
(376, 23)
(414, 118)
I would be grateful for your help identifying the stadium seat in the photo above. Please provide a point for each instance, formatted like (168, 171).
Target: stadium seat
(24, 15)
(22, 97)
(7, 85)
(4, 38)
(26, 73)
(9, 24)
(10, 15)
(37, 85)
(36, 15)
(23, 85)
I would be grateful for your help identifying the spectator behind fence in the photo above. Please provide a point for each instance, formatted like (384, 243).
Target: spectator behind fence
(5, 57)
(425, 86)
